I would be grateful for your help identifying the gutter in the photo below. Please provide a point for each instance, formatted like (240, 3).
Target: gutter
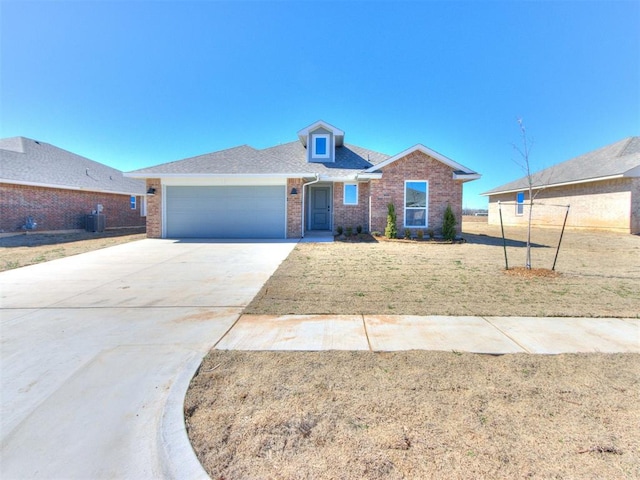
(303, 190)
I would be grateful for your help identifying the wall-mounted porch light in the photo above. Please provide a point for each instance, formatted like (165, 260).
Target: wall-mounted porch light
(151, 191)
(294, 191)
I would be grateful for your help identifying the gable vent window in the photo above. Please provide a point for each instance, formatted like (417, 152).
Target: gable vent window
(320, 146)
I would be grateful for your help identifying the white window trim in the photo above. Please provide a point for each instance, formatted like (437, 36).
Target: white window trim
(426, 208)
(519, 206)
(133, 202)
(143, 206)
(313, 145)
(344, 194)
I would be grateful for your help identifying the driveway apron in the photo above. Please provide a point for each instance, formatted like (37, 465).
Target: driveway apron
(97, 351)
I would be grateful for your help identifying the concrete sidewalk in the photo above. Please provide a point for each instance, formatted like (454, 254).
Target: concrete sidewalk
(494, 335)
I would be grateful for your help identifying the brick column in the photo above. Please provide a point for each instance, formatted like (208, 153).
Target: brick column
(154, 209)
(294, 208)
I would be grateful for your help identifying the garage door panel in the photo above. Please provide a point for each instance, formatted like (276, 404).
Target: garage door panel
(226, 212)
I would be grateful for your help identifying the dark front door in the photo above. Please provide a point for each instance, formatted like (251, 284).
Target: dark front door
(320, 218)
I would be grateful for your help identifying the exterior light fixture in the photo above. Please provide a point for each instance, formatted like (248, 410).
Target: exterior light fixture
(151, 191)
(294, 191)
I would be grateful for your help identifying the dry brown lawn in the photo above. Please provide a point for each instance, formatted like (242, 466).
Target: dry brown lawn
(415, 415)
(599, 276)
(31, 248)
(419, 414)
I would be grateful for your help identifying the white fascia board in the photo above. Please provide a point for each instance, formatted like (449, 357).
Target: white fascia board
(553, 185)
(66, 187)
(466, 177)
(210, 175)
(356, 177)
(426, 151)
(342, 178)
(368, 176)
(221, 181)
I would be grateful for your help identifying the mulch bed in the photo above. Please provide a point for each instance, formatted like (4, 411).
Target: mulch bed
(524, 272)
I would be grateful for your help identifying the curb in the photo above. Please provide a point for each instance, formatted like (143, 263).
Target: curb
(177, 459)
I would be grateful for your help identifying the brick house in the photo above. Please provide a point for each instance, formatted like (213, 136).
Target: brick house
(51, 189)
(316, 183)
(602, 188)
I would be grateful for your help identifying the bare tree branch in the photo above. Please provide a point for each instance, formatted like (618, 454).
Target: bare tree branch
(524, 153)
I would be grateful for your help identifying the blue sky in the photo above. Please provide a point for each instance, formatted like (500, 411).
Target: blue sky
(138, 83)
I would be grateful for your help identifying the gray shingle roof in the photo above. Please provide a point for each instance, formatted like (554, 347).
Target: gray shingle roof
(287, 159)
(613, 160)
(23, 160)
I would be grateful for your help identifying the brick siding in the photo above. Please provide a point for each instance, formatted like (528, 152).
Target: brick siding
(442, 190)
(294, 208)
(154, 209)
(346, 216)
(60, 209)
(607, 205)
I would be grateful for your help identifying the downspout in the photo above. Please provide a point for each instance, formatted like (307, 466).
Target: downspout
(303, 209)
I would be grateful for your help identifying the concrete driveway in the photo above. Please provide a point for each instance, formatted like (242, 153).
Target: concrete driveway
(98, 350)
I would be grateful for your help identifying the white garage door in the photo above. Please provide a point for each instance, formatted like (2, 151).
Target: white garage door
(226, 212)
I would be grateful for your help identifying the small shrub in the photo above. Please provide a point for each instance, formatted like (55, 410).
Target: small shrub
(420, 234)
(391, 231)
(431, 233)
(359, 229)
(339, 230)
(407, 233)
(376, 233)
(449, 225)
(349, 231)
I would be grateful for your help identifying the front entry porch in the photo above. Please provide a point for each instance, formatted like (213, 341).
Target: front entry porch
(317, 236)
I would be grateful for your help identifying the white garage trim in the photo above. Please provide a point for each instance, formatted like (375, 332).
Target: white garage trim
(213, 181)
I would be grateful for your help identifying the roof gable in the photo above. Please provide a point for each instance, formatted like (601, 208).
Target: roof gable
(619, 159)
(460, 170)
(304, 133)
(29, 162)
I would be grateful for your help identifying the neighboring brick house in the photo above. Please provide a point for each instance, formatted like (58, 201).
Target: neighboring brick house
(317, 183)
(57, 189)
(601, 187)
